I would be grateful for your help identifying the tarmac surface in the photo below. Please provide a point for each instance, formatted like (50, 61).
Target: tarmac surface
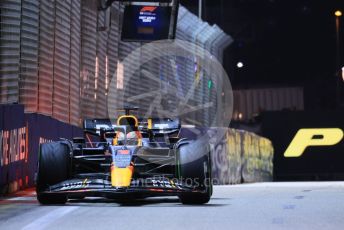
(314, 205)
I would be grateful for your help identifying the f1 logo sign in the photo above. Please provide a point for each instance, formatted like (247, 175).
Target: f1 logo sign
(313, 137)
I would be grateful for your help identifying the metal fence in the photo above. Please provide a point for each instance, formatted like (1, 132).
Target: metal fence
(250, 102)
(56, 61)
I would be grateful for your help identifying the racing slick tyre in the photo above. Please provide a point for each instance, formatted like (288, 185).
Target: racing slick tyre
(194, 166)
(53, 168)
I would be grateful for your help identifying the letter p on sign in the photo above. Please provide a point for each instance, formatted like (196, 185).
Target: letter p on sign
(313, 137)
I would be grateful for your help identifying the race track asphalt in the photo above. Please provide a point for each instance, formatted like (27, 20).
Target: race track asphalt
(265, 206)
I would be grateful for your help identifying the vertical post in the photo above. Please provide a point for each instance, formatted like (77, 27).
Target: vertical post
(338, 43)
(200, 5)
(222, 14)
(338, 72)
(174, 19)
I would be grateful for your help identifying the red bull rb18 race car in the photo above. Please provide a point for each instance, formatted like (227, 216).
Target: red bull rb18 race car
(132, 159)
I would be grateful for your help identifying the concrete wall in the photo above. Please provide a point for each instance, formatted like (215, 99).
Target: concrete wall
(20, 136)
(242, 157)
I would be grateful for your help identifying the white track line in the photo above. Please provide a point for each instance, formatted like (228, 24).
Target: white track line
(44, 221)
(285, 185)
(23, 198)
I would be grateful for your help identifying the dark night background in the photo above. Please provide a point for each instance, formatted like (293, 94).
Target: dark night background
(281, 43)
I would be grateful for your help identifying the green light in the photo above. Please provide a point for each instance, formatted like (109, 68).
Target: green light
(210, 84)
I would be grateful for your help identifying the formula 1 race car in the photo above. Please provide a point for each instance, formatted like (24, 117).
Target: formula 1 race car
(133, 159)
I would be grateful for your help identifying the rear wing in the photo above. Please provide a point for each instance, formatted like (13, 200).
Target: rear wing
(155, 125)
(163, 125)
(93, 126)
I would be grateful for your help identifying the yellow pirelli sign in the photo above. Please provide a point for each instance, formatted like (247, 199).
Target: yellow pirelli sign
(313, 137)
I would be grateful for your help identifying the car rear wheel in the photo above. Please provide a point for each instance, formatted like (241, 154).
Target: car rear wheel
(53, 168)
(194, 166)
